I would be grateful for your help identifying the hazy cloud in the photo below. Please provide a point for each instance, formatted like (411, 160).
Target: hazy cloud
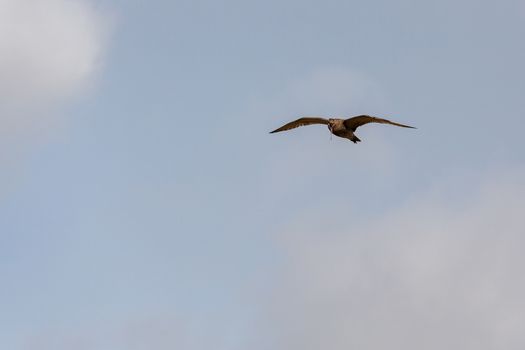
(435, 273)
(49, 50)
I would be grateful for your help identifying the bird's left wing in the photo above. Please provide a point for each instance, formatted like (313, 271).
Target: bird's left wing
(301, 122)
(355, 122)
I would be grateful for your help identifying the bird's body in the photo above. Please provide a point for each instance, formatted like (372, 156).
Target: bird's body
(344, 128)
(338, 128)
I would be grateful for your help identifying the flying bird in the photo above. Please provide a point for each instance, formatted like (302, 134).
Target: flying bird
(339, 127)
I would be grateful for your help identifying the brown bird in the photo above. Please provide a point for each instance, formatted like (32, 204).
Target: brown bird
(339, 127)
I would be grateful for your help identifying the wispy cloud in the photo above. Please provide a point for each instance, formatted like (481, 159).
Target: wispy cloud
(49, 51)
(431, 274)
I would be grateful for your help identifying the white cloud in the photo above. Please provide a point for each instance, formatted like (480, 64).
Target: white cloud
(433, 274)
(49, 50)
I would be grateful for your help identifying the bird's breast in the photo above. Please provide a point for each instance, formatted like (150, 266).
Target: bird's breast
(336, 128)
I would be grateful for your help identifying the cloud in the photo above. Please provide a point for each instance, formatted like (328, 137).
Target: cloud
(436, 273)
(49, 52)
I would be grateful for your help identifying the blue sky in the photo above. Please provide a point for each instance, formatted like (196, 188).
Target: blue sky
(143, 204)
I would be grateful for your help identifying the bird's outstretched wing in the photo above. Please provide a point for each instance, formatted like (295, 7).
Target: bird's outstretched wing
(301, 122)
(355, 122)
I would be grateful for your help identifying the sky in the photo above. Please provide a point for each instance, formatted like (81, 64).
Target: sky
(144, 205)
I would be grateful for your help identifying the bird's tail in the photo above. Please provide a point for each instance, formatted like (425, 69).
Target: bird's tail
(355, 139)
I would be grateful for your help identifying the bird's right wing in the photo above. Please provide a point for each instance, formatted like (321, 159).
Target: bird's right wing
(301, 122)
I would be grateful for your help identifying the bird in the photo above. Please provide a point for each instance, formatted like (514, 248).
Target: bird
(344, 128)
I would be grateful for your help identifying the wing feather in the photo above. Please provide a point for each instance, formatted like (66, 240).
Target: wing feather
(301, 122)
(355, 122)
